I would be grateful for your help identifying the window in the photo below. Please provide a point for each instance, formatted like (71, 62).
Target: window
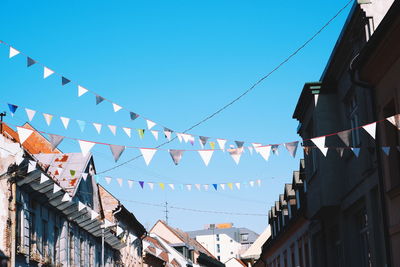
(307, 253)
(300, 245)
(219, 258)
(218, 248)
(244, 237)
(32, 234)
(71, 249)
(352, 113)
(82, 252)
(292, 256)
(20, 220)
(91, 255)
(362, 221)
(56, 245)
(45, 236)
(285, 263)
(217, 237)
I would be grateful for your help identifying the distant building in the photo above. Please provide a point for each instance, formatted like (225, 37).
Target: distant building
(225, 241)
(252, 254)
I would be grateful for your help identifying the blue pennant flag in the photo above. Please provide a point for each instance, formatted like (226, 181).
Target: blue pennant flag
(12, 108)
(215, 187)
(81, 125)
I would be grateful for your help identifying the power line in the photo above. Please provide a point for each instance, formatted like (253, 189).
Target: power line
(249, 89)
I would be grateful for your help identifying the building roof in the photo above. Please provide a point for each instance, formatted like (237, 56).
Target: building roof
(152, 248)
(254, 251)
(237, 260)
(228, 231)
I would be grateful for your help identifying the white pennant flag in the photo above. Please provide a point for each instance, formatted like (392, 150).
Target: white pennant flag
(155, 134)
(31, 166)
(236, 153)
(119, 230)
(237, 186)
(81, 206)
(145, 245)
(250, 148)
(150, 124)
(320, 143)
(221, 143)
(30, 113)
(85, 146)
(107, 223)
(93, 214)
(395, 120)
(158, 252)
(84, 176)
(97, 126)
(113, 129)
(151, 185)
(206, 155)
(127, 131)
(108, 179)
(116, 107)
(222, 186)
(206, 186)
(255, 145)
(370, 129)
(119, 180)
(186, 137)
(198, 186)
(172, 186)
(189, 187)
(56, 188)
(251, 183)
(13, 52)
(23, 134)
(48, 118)
(66, 198)
(264, 151)
(180, 138)
(65, 121)
(43, 178)
(130, 183)
(47, 72)
(82, 90)
(148, 154)
(259, 182)
(132, 238)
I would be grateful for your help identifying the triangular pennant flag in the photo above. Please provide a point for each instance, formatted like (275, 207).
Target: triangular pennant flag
(250, 148)
(133, 115)
(292, 148)
(66, 198)
(189, 187)
(386, 150)
(107, 223)
(264, 151)
(315, 99)
(320, 143)
(82, 90)
(12, 108)
(108, 179)
(251, 183)
(237, 186)
(47, 118)
(155, 134)
(370, 129)
(64, 81)
(13, 52)
(72, 172)
(198, 186)
(158, 252)
(230, 185)
(84, 176)
(206, 186)
(93, 214)
(212, 145)
(395, 120)
(162, 186)
(356, 151)
(340, 151)
(215, 186)
(117, 151)
(140, 133)
(81, 206)
(186, 137)
(30, 113)
(148, 154)
(203, 140)
(345, 137)
(236, 153)
(176, 155)
(258, 182)
(239, 144)
(222, 186)
(47, 72)
(274, 149)
(150, 124)
(113, 129)
(97, 126)
(172, 186)
(65, 121)
(191, 139)
(85, 146)
(145, 245)
(151, 185)
(56, 188)
(30, 62)
(119, 230)
(31, 166)
(255, 145)
(116, 107)
(120, 181)
(81, 124)
(141, 183)
(55, 140)
(43, 178)
(206, 155)
(167, 133)
(127, 131)
(23, 134)
(180, 137)
(130, 183)
(99, 99)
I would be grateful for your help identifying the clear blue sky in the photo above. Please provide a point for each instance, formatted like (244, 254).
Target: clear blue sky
(174, 62)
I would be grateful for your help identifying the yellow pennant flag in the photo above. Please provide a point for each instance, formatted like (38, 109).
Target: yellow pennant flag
(212, 145)
(230, 185)
(162, 185)
(141, 133)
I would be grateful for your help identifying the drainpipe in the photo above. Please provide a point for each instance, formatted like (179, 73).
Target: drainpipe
(13, 215)
(370, 88)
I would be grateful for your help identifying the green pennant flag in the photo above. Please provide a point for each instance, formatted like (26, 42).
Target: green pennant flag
(72, 172)
(141, 133)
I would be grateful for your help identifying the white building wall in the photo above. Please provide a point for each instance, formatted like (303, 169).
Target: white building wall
(229, 248)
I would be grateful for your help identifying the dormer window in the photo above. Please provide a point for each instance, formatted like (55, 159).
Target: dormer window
(290, 210)
(298, 199)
